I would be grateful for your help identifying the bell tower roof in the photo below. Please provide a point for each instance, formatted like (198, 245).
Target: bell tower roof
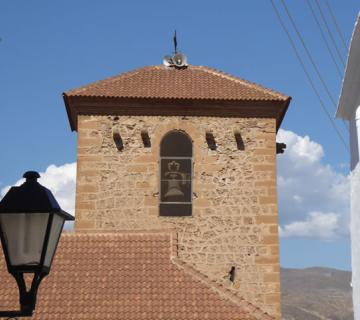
(197, 90)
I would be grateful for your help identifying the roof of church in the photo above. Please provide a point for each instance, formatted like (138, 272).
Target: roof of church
(192, 82)
(126, 276)
(190, 91)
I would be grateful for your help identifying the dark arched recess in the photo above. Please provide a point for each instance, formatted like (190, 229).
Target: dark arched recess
(176, 174)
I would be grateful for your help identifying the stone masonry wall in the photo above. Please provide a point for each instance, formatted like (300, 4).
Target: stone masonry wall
(234, 220)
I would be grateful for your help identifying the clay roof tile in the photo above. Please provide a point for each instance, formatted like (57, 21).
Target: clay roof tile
(90, 279)
(193, 82)
(160, 90)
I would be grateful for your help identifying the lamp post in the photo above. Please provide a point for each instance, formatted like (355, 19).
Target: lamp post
(31, 222)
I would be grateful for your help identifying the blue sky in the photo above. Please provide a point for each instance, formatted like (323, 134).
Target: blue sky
(49, 47)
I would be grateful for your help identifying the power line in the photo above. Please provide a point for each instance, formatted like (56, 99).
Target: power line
(340, 73)
(336, 25)
(311, 58)
(309, 54)
(322, 104)
(330, 33)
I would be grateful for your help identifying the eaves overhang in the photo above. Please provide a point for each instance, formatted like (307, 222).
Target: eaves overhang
(79, 105)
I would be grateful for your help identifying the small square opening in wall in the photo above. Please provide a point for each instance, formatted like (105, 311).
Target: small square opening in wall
(210, 140)
(118, 140)
(239, 141)
(146, 139)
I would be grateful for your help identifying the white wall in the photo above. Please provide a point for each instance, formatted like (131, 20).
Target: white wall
(355, 239)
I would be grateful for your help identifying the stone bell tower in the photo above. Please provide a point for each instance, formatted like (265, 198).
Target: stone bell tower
(190, 149)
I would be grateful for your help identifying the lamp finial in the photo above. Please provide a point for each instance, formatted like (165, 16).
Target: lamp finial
(31, 175)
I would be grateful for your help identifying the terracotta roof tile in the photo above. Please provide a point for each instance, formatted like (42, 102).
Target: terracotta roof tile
(193, 82)
(124, 276)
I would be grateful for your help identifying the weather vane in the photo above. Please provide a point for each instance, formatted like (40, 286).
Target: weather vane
(175, 42)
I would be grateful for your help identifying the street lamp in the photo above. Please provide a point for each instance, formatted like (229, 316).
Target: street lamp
(31, 222)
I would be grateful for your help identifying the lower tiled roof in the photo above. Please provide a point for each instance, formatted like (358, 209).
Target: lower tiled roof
(124, 276)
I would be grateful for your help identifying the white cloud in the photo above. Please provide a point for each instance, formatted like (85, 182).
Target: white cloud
(313, 197)
(297, 198)
(61, 181)
(322, 225)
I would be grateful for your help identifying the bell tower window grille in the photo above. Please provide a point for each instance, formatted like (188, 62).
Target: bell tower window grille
(176, 175)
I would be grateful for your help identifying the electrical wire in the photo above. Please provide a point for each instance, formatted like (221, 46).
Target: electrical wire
(340, 73)
(309, 54)
(336, 25)
(330, 33)
(311, 58)
(322, 104)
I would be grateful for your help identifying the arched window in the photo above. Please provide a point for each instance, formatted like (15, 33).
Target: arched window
(175, 175)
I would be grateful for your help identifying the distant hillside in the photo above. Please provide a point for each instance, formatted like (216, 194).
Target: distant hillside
(316, 294)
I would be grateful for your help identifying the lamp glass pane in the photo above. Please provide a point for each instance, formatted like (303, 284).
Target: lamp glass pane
(24, 235)
(55, 232)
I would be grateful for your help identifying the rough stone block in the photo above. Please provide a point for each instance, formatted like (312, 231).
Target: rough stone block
(268, 219)
(270, 239)
(86, 188)
(273, 298)
(268, 200)
(272, 277)
(137, 168)
(86, 205)
(84, 224)
(266, 260)
(151, 201)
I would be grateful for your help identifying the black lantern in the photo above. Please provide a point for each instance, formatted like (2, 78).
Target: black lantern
(31, 222)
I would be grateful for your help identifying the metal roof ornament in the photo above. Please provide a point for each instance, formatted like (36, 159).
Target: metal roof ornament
(178, 60)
